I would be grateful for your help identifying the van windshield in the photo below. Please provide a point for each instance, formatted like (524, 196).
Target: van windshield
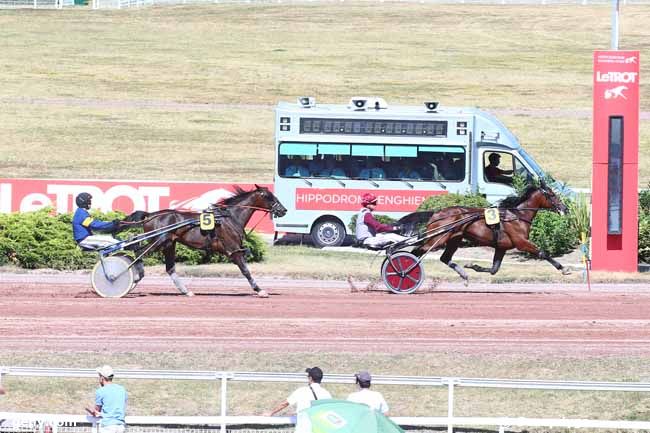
(532, 163)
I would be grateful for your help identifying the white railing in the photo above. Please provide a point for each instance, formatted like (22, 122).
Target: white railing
(224, 377)
(18, 421)
(35, 4)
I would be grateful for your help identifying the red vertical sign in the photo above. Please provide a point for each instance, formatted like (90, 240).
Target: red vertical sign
(615, 175)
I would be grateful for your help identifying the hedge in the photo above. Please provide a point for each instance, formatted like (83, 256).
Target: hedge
(43, 240)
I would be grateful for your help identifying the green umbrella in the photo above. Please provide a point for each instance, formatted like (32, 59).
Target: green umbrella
(342, 416)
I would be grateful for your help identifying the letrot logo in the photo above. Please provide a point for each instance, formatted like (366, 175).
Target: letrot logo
(616, 77)
(616, 92)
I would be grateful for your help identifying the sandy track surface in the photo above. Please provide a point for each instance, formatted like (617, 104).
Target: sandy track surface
(59, 312)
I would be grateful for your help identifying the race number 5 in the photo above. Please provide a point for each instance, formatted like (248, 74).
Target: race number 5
(492, 216)
(207, 221)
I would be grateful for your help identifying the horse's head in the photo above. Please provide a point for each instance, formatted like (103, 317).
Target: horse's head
(266, 200)
(549, 200)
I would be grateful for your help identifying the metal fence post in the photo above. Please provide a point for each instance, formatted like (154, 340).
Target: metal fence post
(450, 404)
(224, 403)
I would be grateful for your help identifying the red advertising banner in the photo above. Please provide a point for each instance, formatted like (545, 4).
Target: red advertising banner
(615, 171)
(331, 199)
(616, 93)
(24, 195)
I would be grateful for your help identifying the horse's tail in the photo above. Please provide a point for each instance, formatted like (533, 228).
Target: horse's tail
(414, 223)
(136, 218)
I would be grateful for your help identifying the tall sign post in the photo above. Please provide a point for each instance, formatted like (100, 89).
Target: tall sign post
(615, 181)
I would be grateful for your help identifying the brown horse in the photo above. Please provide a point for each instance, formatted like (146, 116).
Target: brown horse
(448, 227)
(227, 238)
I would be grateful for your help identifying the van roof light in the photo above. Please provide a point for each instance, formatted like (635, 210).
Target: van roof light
(431, 106)
(362, 103)
(307, 101)
(489, 136)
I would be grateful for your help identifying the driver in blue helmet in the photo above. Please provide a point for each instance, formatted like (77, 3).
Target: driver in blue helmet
(83, 225)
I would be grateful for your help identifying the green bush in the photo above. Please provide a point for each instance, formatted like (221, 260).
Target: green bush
(579, 215)
(552, 233)
(644, 237)
(40, 240)
(644, 225)
(438, 202)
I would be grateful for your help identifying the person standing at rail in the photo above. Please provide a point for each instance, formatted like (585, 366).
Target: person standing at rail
(373, 399)
(371, 232)
(83, 225)
(110, 402)
(302, 397)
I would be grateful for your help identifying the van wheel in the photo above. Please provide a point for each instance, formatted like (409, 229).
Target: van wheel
(328, 233)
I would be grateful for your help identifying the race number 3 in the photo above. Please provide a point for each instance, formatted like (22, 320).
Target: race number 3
(492, 216)
(207, 221)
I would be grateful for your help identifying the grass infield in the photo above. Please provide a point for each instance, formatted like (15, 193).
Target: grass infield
(202, 398)
(187, 92)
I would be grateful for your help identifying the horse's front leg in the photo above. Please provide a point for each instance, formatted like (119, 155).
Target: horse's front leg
(529, 247)
(496, 262)
(170, 266)
(239, 258)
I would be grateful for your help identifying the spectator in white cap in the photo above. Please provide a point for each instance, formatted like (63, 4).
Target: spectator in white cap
(110, 402)
(374, 399)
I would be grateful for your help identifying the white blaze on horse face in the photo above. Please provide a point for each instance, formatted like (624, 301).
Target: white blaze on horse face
(202, 202)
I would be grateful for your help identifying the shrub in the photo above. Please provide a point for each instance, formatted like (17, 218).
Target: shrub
(579, 215)
(40, 240)
(438, 202)
(552, 233)
(644, 237)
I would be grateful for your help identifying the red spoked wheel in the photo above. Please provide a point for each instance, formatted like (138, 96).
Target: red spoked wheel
(402, 272)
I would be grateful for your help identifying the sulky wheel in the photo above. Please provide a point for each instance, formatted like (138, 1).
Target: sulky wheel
(114, 279)
(402, 272)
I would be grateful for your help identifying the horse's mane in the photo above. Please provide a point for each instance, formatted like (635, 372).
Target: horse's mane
(515, 200)
(239, 195)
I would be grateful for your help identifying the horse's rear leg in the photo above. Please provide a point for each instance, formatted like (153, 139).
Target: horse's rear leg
(496, 263)
(170, 266)
(450, 249)
(239, 259)
(529, 247)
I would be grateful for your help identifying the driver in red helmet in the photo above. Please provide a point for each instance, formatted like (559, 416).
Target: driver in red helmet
(371, 232)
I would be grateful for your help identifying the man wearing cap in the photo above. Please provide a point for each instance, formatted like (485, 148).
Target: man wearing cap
(371, 232)
(303, 396)
(83, 225)
(373, 399)
(110, 402)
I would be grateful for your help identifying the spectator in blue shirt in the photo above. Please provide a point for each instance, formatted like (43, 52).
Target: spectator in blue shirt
(83, 225)
(110, 402)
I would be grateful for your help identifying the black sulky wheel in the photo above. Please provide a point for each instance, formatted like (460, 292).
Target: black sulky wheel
(114, 279)
(402, 272)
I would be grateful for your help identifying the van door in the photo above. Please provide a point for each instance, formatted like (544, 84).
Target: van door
(496, 170)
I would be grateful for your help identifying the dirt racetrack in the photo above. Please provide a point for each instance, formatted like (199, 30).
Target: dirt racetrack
(59, 312)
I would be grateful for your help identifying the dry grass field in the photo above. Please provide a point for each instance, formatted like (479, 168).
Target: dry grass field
(202, 398)
(183, 92)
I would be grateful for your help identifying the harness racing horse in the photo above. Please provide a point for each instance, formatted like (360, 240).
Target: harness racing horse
(227, 238)
(448, 227)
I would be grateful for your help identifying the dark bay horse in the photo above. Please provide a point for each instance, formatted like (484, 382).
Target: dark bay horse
(227, 238)
(448, 227)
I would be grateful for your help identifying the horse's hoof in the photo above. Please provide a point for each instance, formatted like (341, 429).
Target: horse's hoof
(566, 271)
(262, 294)
(466, 282)
(190, 293)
